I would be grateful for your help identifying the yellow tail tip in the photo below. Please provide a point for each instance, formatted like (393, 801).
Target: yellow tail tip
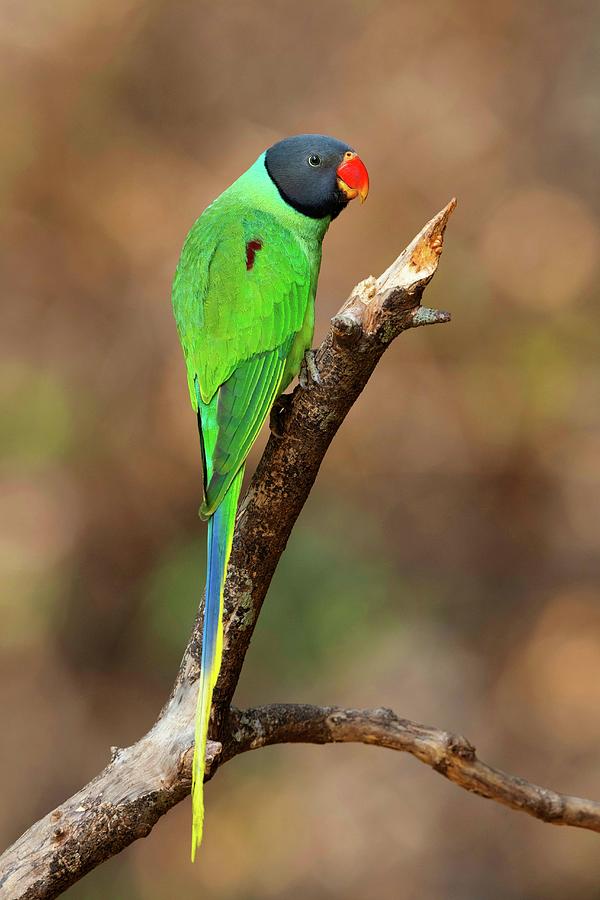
(197, 814)
(197, 830)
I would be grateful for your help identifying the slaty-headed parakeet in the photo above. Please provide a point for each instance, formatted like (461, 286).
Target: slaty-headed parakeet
(243, 298)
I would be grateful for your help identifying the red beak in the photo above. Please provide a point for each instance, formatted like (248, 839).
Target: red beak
(353, 178)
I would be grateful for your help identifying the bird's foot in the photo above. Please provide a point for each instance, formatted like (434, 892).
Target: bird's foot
(309, 375)
(278, 414)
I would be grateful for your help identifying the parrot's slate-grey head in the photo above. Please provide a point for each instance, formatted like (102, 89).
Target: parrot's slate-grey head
(317, 175)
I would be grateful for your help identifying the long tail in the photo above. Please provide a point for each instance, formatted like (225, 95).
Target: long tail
(220, 535)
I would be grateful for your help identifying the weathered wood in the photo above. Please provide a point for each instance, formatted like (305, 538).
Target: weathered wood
(144, 781)
(452, 755)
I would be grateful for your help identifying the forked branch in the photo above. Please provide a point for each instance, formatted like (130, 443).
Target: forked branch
(142, 782)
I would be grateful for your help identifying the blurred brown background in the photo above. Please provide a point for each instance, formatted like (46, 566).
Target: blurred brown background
(448, 562)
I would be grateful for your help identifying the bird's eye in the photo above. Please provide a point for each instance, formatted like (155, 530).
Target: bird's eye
(314, 160)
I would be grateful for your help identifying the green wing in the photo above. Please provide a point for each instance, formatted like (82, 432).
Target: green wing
(238, 313)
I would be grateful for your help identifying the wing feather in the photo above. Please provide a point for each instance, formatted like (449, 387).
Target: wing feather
(226, 313)
(237, 326)
(236, 433)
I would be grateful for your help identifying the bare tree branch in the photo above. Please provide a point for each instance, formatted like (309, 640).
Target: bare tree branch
(144, 781)
(125, 800)
(452, 755)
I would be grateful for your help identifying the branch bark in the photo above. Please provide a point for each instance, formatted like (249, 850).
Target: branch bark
(144, 781)
(452, 755)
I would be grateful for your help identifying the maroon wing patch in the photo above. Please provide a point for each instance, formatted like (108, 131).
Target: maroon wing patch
(252, 248)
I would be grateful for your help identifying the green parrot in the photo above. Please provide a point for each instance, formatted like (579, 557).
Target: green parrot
(243, 298)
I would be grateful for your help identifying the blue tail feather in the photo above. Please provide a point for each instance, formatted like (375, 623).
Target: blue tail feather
(220, 535)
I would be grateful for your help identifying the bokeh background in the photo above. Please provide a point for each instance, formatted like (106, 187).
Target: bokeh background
(448, 561)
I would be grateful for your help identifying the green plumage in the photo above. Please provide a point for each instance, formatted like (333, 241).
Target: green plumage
(245, 318)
